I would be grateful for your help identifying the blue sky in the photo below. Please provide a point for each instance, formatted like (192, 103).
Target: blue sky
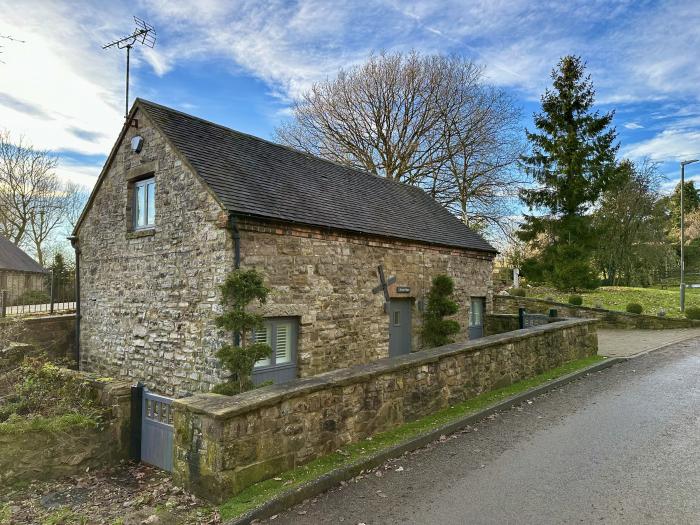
(241, 63)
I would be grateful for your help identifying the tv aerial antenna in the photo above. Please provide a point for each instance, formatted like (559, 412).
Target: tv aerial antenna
(143, 34)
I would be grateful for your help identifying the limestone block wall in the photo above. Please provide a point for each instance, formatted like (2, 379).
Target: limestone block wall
(326, 279)
(148, 297)
(224, 444)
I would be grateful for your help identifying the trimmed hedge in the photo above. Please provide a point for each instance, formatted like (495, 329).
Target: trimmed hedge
(576, 300)
(517, 292)
(693, 312)
(634, 308)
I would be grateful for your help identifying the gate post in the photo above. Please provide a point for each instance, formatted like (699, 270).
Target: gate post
(521, 318)
(52, 291)
(136, 420)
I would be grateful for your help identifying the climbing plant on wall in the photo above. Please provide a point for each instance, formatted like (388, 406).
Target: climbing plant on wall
(437, 330)
(241, 288)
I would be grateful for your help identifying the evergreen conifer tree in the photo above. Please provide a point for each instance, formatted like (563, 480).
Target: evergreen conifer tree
(572, 161)
(436, 329)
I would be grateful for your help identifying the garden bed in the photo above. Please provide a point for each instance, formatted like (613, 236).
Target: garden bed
(56, 422)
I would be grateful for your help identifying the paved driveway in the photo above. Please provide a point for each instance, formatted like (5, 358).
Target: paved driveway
(619, 446)
(627, 343)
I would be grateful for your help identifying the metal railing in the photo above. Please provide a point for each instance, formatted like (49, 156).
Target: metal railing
(36, 293)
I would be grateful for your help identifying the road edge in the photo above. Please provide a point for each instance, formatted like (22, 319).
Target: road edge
(321, 484)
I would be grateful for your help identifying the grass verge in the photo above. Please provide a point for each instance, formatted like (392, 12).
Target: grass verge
(618, 297)
(60, 423)
(257, 494)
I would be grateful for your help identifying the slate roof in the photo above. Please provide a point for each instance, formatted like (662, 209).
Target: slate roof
(252, 176)
(14, 259)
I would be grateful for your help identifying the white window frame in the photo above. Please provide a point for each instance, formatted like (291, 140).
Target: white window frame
(143, 183)
(272, 326)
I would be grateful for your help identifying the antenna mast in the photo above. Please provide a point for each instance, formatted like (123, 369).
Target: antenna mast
(143, 34)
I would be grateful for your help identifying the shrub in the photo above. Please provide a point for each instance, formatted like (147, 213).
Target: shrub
(517, 292)
(436, 330)
(240, 289)
(634, 308)
(693, 312)
(576, 300)
(44, 389)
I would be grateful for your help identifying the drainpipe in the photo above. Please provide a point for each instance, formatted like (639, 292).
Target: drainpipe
(236, 234)
(74, 243)
(233, 225)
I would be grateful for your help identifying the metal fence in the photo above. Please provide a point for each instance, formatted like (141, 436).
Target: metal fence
(23, 293)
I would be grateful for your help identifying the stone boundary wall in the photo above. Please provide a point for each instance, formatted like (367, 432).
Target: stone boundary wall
(500, 323)
(42, 454)
(224, 444)
(53, 334)
(608, 318)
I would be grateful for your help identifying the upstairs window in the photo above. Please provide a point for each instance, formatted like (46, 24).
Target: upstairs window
(144, 205)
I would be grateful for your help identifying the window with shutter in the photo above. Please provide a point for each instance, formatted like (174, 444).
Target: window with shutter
(283, 343)
(281, 334)
(263, 335)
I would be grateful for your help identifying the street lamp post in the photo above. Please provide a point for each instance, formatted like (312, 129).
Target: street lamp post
(683, 165)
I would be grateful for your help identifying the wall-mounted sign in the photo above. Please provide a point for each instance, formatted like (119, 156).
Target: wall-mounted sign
(403, 289)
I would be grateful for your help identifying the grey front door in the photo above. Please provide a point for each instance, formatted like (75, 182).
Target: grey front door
(399, 327)
(476, 318)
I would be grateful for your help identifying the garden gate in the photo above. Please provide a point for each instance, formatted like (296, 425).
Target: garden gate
(152, 441)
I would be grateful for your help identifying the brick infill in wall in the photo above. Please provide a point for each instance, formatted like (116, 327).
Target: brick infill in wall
(328, 234)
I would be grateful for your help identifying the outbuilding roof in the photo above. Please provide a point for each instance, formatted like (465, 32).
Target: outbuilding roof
(256, 177)
(14, 259)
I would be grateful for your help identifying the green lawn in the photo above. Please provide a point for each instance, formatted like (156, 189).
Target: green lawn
(618, 297)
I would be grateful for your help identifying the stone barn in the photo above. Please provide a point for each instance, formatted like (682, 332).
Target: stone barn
(19, 273)
(181, 202)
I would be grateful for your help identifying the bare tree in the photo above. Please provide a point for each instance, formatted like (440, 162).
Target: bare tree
(483, 142)
(426, 120)
(381, 116)
(26, 177)
(34, 203)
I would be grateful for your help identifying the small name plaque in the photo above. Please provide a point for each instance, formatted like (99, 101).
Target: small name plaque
(403, 289)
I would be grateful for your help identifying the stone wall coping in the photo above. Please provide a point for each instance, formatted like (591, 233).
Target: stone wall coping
(226, 407)
(593, 309)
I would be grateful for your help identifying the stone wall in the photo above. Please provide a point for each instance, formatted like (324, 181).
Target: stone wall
(326, 279)
(224, 444)
(500, 323)
(44, 454)
(149, 298)
(52, 334)
(607, 318)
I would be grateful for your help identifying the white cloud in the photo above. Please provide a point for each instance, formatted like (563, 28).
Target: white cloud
(668, 146)
(633, 125)
(54, 88)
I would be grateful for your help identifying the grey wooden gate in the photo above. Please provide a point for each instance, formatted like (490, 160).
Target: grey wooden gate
(157, 430)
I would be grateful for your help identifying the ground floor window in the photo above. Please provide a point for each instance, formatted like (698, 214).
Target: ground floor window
(281, 334)
(476, 317)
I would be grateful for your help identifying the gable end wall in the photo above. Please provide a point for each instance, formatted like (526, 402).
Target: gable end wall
(148, 301)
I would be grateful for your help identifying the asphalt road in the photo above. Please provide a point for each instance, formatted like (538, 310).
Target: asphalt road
(619, 446)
